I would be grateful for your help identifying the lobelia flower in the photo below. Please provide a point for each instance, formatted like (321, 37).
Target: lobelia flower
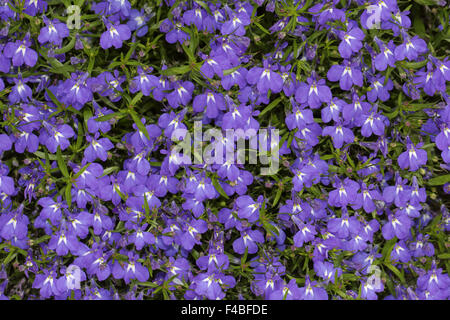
(333, 110)
(378, 90)
(312, 292)
(327, 271)
(63, 241)
(213, 102)
(306, 233)
(20, 92)
(131, 270)
(5, 143)
(144, 81)
(421, 247)
(248, 208)
(98, 148)
(140, 238)
(386, 57)
(265, 78)
(56, 136)
(441, 73)
(400, 252)
(77, 90)
(51, 210)
(195, 17)
(95, 126)
(236, 24)
(339, 134)
(181, 95)
(427, 79)
(213, 261)
(351, 42)
(108, 85)
(138, 21)
(237, 77)
(299, 118)
(248, 240)
(314, 92)
(414, 157)
(47, 284)
(366, 198)
(411, 48)
(344, 226)
(53, 32)
(114, 35)
(20, 52)
(435, 282)
(288, 291)
(348, 74)
(368, 290)
(14, 224)
(173, 32)
(190, 237)
(399, 194)
(398, 226)
(373, 123)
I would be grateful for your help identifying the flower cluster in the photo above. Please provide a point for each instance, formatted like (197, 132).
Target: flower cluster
(94, 204)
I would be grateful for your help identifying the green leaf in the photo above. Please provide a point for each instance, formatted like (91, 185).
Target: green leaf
(438, 181)
(68, 194)
(61, 163)
(219, 188)
(395, 271)
(67, 47)
(81, 171)
(139, 123)
(176, 70)
(444, 256)
(110, 116)
(272, 105)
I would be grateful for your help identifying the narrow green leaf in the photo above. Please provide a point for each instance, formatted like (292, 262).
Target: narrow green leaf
(139, 123)
(272, 105)
(61, 163)
(219, 188)
(438, 181)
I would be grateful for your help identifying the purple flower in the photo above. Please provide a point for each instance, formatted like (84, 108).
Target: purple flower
(130, 270)
(53, 32)
(248, 240)
(265, 78)
(411, 48)
(344, 226)
(386, 57)
(190, 237)
(212, 101)
(138, 21)
(248, 208)
(312, 292)
(181, 94)
(21, 91)
(306, 233)
(351, 42)
(398, 226)
(114, 35)
(400, 252)
(414, 157)
(54, 136)
(20, 52)
(347, 75)
(98, 148)
(339, 134)
(378, 90)
(314, 93)
(236, 24)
